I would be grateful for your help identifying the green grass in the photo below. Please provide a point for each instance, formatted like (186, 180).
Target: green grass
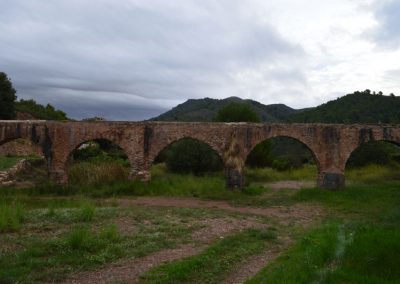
(373, 174)
(357, 242)
(11, 216)
(85, 212)
(6, 162)
(86, 246)
(212, 265)
(302, 263)
(94, 173)
(364, 200)
(307, 172)
(339, 253)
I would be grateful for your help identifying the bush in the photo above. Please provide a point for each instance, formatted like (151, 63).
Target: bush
(192, 156)
(374, 152)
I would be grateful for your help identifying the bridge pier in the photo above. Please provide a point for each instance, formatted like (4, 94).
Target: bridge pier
(234, 178)
(142, 175)
(331, 180)
(58, 176)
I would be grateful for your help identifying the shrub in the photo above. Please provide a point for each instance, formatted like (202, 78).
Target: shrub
(192, 156)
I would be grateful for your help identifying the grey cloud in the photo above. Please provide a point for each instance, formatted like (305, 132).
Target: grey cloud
(387, 33)
(148, 54)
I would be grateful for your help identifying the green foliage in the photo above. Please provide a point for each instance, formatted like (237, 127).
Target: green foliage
(374, 152)
(192, 156)
(237, 112)
(359, 107)
(206, 110)
(100, 150)
(7, 97)
(261, 156)
(7, 162)
(39, 111)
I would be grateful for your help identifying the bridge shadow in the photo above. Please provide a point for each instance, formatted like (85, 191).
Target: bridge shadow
(282, 160)
(374, 162)
(189, 156)
(97, 161)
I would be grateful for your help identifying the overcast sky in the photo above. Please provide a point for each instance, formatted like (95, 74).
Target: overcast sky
(134, 59)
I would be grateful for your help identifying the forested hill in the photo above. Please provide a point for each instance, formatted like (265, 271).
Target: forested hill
(359, 107)
(206, 109)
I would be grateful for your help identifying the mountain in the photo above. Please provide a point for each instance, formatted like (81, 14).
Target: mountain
(206, 109)
(359, 107)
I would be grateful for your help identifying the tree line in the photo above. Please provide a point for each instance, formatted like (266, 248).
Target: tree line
(10, 106)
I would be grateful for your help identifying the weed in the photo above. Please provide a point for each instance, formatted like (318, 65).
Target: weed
(85, 212)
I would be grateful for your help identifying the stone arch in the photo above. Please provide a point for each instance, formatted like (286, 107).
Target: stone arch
(61, 157)
(354, 147)
(39, 149)
(168, 143)
(76, 145)
(297, 139)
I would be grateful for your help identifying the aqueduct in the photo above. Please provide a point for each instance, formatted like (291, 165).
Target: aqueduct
(331, 144)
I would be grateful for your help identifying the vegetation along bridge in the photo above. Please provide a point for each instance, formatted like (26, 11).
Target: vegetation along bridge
(331, 144)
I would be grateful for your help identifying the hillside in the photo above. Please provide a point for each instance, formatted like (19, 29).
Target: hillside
(207, 108)
(359, 107)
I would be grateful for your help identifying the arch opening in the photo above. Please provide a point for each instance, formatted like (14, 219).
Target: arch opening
(188, 156)
(282, 159)
(97, 161)
(22, 163)
(374, 161)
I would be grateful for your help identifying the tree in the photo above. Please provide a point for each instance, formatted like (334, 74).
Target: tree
(7, 97)
(192, 156)
(39, 111)
(237, 112)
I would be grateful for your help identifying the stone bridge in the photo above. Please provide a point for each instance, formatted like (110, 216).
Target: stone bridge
(331, 144)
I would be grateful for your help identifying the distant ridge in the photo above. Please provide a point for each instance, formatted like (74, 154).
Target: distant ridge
(206, 109)
(359, 107)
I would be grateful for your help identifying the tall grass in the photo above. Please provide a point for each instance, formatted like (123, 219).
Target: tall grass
(11, 216)
(97, 173)
(373, 173)
(85, 212)
(307, 172)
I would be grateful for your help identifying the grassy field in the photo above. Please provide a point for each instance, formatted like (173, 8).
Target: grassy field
(50, 233)
(7, 162)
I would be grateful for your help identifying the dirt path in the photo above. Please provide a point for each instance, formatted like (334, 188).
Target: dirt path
(129, 271)
(302, 213)
(290, 184)
(251, 266)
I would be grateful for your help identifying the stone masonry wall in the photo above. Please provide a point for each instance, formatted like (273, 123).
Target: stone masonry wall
(331, 144)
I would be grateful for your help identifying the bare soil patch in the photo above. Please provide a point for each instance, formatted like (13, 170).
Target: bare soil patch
(129, 271)
(290, 185)
(303, 214)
